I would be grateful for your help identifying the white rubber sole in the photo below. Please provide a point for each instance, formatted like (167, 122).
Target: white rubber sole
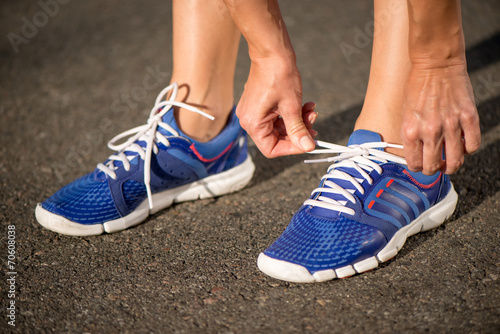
(212, 186)
(430, 219)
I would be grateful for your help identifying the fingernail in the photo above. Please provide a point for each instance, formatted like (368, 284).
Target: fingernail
(307, 143)
(313, 117)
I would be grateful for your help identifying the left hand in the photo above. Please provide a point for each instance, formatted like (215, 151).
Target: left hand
(439, 114)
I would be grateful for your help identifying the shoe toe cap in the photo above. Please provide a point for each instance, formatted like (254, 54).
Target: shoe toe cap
(84, 201)
(318, 244)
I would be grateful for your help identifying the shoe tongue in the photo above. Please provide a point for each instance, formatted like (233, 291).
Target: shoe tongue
(169, 118)
(359, 137)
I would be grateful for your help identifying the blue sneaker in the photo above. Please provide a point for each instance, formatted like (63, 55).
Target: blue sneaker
(365, 207)
(156, 166)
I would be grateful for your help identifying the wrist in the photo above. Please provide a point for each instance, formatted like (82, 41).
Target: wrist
(435, 32)
(276, 68)
(275, 48)
(437, 46)
(279, 58)
(425, 63)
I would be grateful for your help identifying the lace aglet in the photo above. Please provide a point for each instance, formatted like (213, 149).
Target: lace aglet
(320, 160)
(210, 117)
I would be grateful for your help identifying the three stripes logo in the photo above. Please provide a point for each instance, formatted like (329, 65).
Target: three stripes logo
(397, 201)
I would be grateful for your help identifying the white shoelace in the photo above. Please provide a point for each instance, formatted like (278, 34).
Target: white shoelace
(148, 133)
(363, 158)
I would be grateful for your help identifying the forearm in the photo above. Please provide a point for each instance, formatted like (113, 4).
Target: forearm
(270, 108)
(262, 25)
(438, 109)
(435, 33)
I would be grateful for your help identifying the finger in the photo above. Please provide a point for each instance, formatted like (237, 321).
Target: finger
(471, 130)
(273, 147)
(413, 156)
(279, 128)
(308, 106)
(297, 130)
(309, 116)
(271, 138)
(412, 147)
(453, 150)
(432, 157)
(280, 131)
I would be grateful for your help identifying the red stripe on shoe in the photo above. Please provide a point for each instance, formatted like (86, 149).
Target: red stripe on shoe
(199, 156)
(421, 185)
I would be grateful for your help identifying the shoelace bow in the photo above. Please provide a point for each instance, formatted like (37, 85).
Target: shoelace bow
(149, 134)
(363, 158)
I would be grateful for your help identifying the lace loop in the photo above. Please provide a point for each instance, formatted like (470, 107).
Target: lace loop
(363, 159)
(148, 134)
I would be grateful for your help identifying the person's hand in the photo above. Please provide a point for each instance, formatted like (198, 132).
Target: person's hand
(271, 110)
(439, 116)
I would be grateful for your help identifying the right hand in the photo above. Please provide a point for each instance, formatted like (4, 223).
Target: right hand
(271, 110)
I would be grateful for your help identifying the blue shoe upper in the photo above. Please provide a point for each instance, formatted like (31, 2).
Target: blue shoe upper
(319, 238)
(96, 197)
(87, 200)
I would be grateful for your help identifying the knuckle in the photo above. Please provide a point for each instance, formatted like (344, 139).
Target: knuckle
(264, 149)
(244, 121)
(290, 109)
(429, 171)
(433, 131)
(414, 165)
(454, 166)
(295, 127)
(450, 123)
(410, 132)
(432, 168)
(268, 155)
(469, 117)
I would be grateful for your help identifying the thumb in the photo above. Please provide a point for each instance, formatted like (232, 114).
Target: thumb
(298, 133)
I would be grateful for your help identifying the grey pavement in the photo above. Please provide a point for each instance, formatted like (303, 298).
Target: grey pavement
(75, 75)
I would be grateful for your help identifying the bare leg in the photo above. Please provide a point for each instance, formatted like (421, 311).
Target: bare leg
(390, 67)
(205, 51)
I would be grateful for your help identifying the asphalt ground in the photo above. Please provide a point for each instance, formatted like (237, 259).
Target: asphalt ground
(76, 75)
